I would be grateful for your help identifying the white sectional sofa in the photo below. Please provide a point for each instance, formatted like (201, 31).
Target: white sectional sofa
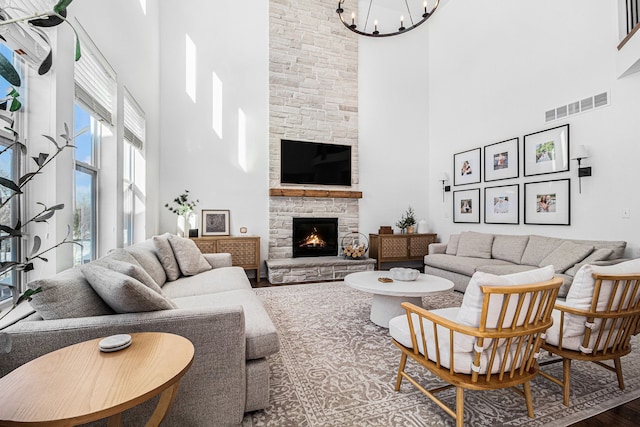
(161, 284)
(469, 251)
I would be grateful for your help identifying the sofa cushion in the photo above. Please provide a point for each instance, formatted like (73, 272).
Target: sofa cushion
(477, 245)
(600, 254)
(537, 248)
(566, 255)
(166, 256)
(217, 280)
(131, 270)
(145, 253)
(188, 255)
(471, 308)
(509, 248)
(458, 264)
(119, 255)
(502, 269)
(452, 246)
(122, 293)
(65, 295)
(260, 333)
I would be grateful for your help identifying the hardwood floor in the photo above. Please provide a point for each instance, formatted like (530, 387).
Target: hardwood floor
(627, 415)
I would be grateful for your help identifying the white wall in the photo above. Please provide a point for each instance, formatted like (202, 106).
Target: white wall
(215, 165)
(393, 127)
(495, 68)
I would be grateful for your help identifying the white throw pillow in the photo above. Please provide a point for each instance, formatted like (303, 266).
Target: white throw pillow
(188, 255)
(581, 292)
(471, 308)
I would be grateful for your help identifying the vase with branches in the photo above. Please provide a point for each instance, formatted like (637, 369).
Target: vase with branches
(407, 221)
(183, 207)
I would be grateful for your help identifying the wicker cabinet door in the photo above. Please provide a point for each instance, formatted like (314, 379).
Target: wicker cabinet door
(419, 245)
(243, 252)
(393, 247)
(206, 246)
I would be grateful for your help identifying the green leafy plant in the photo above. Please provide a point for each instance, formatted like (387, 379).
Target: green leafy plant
(11, 189)
(182, 205)
(408, 219)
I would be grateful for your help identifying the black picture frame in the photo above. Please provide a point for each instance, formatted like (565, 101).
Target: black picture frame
(502, 160)
(502, 204)
(547, 151)
(466, 206)
(467, 167)
(548, 202)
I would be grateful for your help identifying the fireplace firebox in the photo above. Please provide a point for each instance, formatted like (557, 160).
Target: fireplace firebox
(315, 237)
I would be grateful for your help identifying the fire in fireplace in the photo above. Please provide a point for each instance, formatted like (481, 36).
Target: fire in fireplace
(315, 237)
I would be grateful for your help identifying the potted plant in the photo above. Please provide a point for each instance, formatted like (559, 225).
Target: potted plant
(407, 222)
(183, 207)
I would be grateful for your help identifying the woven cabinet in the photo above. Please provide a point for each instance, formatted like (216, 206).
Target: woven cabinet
(244, 250)
(399, 247)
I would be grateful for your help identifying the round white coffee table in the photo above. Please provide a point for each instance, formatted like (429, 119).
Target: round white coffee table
(387, 297)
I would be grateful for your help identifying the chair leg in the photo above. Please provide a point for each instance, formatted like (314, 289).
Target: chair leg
(566, 379)
(618, 365)
(527, 397)
(459, 407)
(403, 362)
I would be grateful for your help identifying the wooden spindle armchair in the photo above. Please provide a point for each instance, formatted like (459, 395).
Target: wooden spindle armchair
(599, 332)
(499, 352)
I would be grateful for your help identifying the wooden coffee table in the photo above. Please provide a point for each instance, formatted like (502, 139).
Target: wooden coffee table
(387, 297)
(80, 384)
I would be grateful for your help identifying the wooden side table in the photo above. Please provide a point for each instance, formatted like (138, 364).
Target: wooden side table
(399, 247)
(79, 384)
(244, 250)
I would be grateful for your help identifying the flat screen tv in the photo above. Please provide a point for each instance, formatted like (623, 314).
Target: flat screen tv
(314, 163)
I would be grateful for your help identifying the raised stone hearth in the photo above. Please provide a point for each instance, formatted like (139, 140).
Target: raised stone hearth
(315, 269)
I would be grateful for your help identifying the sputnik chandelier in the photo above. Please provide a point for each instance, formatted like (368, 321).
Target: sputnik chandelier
(407, 20)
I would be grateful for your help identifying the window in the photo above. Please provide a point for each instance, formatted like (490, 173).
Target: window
(133, 171)
(89, 131)
(9, 168)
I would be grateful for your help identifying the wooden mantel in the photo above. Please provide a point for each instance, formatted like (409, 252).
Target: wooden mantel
(336, 194)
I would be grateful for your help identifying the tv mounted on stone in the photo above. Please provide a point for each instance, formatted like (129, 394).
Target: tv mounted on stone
(316, 163)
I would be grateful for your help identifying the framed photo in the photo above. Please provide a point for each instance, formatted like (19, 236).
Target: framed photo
(466, 167)
(466, 206)
(546, 151)
(502, 204)
(215, 223)
(501, 160)
(548, 202)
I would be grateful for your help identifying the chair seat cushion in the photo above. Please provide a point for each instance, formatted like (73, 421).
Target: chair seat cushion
(462, 360)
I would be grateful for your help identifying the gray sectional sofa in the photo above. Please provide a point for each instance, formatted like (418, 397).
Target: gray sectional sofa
(468, 252)
(176, 290)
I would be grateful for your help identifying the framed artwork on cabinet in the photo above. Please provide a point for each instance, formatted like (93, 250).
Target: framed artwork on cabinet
(215, 222)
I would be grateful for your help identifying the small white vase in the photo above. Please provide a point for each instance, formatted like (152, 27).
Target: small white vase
(185, 223)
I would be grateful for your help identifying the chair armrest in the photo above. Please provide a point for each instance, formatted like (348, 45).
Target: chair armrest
(218, 260)
(437, 248)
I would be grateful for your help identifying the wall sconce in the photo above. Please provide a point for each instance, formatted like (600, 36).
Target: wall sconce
(445, 188)
(580, 154)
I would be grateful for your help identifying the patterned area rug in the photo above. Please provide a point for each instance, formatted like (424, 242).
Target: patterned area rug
(337, 368)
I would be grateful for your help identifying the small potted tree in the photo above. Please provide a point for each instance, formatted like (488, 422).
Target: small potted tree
(407, 222)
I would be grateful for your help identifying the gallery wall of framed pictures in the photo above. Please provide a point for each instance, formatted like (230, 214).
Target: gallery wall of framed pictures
(545, 202)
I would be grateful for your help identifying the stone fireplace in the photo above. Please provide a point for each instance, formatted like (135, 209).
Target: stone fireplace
(314, 237)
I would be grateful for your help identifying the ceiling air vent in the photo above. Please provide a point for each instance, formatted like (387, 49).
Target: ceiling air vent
(591, 103)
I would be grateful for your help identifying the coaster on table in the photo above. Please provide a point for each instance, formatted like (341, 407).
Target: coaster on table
(115, 343)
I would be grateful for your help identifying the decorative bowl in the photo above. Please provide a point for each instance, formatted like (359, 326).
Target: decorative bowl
(405, 274)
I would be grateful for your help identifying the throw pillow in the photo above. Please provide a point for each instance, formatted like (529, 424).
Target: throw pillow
(452, 246)
(166, 256)
(188, 255)
(146, 255)
(66, 295)
(595, 256)
(132, 270)
(581, 292)
(471, 308)
(537, 248)
(566, 255)
(509, 248)
(122, 293)
(476, 245)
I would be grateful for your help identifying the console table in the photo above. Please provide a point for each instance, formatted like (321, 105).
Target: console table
(399, 247)
(244, 250)
(79, 384)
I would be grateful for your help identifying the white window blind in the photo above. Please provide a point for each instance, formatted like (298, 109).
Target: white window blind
(134, 121)
(95, 80)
